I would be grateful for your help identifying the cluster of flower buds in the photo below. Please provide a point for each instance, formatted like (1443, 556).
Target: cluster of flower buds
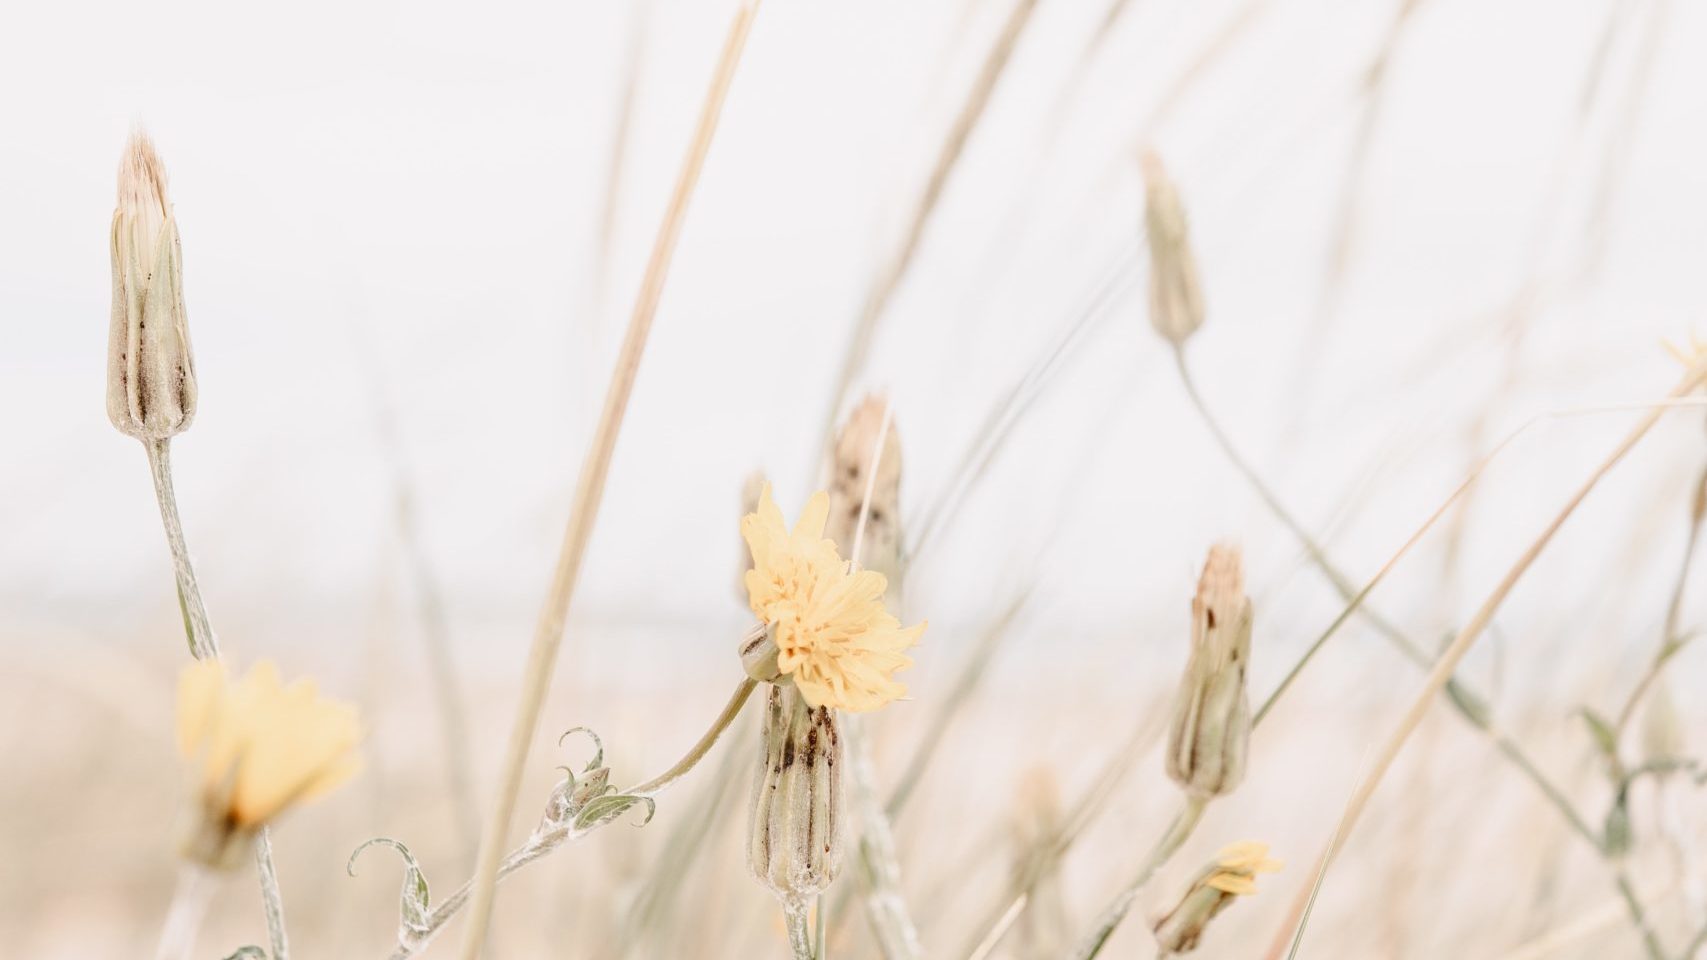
(1211, 727)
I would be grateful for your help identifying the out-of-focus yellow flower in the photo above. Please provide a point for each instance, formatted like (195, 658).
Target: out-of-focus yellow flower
(1237, 865)
(257, 747)
(834, 637)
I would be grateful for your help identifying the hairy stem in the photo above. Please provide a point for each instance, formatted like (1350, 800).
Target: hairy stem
(202, 642)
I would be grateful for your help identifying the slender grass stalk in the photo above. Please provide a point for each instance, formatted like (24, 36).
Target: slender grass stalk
(184, 917)
(589, 489)
(1671, 639)
(202, 646)
(948, 157)
(1586, 924)
(1650, 941)
(731, 710)
(1461, 644)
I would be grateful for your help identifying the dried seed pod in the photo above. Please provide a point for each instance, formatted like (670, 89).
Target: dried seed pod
(1232, 875)
(151, 376)
(794, 839)
(868, 454)
(1211, 725)
(1176, 294)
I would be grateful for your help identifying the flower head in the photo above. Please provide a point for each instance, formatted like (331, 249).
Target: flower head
(834, 638)
(256, 747)
(1237, 865)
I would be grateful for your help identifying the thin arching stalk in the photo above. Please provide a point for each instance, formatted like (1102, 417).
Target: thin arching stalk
(589, 489)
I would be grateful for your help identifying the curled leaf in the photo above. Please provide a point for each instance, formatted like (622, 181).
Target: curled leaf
(415, 898)
(598, 747)
(248, 952)
(603, 810)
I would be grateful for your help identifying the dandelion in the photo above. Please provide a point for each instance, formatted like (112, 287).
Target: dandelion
(834, 638)
(256, 748)
(1232, 875)
(1211, 726)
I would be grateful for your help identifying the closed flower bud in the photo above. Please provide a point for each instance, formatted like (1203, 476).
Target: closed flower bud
(794, 838)
(1176, 295)
(1211, 725)
(1231, 876)
(758, 652)
(151, 378)
(868, 455)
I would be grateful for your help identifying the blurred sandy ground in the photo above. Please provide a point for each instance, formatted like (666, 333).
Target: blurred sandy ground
(396, 220)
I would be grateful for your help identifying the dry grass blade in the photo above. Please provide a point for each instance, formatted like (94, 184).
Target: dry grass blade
(1461, 644)
(889, 280)
(589, 490)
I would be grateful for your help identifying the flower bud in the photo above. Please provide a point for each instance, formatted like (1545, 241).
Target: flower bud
(1232, 875)
(794, 840)
(868, 454)
(151, 378)
(758, 652)
(1211, 725)
(1176, 295)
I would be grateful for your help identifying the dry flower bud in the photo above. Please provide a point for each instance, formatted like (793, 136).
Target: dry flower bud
(758, 653)
(794, 838)
(1211, 725)
(1176, 294)
(151, 377)
(1232, 875)
(866, 444)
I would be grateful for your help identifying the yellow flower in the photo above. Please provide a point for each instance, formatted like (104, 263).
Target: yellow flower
(1237, 865)
(257, 747)
(834, 637)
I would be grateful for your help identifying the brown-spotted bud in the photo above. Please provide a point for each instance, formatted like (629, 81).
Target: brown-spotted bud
(1211, 727)
(1176, 294)
(868, 456)
(151, 377)
(794, 836)
(1232, 875)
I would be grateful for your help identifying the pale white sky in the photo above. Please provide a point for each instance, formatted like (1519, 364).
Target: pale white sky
(390, 209)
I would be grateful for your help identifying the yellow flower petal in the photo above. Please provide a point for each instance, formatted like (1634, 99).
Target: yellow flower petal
(834, 637)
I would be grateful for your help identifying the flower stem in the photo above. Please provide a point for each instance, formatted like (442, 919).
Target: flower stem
(1650, 940)
(202, 643)
(731, 710)
(799, 936)
(184, 916)
(271, 900)
(1184, 823)
(202, 646)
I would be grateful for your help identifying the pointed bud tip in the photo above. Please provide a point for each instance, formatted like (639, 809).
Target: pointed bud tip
(142, 178)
